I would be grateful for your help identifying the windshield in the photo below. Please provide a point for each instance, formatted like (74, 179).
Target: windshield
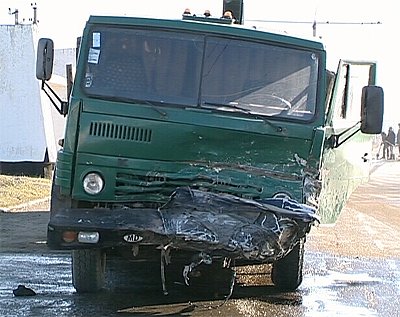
(195, 70)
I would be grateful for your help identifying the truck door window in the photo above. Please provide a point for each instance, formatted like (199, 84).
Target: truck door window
(359, 77)
(351, 79)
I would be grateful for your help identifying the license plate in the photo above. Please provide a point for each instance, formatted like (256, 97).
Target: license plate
(132, 238)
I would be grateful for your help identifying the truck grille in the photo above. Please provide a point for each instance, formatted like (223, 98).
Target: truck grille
(120, 131)
(130, 185)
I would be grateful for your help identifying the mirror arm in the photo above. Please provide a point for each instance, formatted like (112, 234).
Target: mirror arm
(335, 139)
(63, 104)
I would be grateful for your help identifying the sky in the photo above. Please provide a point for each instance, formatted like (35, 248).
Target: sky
(353, 31)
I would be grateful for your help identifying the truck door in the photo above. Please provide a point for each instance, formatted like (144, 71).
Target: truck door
(347, 153)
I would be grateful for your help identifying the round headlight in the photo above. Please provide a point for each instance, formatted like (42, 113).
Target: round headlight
(93, 183)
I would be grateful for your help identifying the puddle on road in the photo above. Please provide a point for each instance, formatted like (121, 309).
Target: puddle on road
(340, 294)
(350, 286)
(47, 275)
(332, 286)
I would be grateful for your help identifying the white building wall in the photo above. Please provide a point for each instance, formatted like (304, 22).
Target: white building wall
(26, 123)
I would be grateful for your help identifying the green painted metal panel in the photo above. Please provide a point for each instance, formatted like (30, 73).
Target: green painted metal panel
(144, 150)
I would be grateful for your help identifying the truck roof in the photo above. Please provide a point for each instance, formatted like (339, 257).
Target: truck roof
(207, 27)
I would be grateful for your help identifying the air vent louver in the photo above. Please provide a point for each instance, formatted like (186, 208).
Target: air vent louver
(120, 132)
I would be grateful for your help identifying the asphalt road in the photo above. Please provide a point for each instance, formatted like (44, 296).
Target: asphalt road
(351, 269)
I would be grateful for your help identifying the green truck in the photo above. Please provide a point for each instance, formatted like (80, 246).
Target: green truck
(200, 143)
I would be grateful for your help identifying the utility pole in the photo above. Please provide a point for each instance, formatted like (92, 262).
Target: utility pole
(15, 13)
(34, 7)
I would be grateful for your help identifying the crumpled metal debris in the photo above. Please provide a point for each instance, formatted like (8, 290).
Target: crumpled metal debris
(236, 227)
(201, 258)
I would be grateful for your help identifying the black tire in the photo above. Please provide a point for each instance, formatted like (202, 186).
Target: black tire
(88, 270)
(287, 273)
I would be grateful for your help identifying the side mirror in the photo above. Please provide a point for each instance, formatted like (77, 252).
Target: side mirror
(372, 110)
(44, 59)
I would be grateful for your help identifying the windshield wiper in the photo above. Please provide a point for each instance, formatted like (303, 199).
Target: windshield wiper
(155, 107)
(133, 101)
(245, 111)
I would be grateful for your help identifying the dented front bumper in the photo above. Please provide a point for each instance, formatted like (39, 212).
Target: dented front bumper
(193, 220)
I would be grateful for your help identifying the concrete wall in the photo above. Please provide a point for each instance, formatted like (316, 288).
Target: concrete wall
(28, 124)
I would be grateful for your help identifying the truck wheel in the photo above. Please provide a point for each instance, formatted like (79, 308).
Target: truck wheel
(88, 270)
(287, 273)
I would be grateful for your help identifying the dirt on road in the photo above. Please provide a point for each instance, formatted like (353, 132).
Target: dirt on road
(369, 226)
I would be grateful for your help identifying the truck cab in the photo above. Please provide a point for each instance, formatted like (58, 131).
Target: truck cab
(204, 143)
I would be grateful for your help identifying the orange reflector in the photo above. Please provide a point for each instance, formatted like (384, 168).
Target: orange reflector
(69, 236)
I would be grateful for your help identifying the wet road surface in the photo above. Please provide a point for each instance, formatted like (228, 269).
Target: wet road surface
(351, 269)
(332, 286)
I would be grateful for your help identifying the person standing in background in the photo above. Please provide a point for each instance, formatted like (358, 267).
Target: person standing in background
(398, 139)
(391, 140)
(384, 144)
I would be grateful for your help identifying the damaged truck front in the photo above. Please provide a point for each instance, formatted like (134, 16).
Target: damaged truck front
(199, 143)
